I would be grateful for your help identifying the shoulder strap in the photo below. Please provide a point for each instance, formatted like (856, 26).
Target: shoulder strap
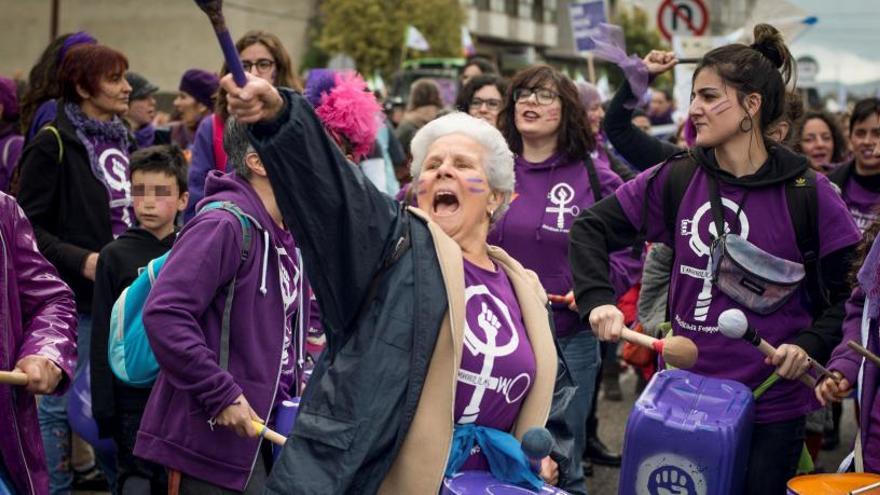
(803, 207)
(595, 185)
(681, 170)
(223, 358)
(677, 181)
(54, 130)
(840, 175)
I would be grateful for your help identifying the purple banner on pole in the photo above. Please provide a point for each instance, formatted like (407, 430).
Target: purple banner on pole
(586, 15)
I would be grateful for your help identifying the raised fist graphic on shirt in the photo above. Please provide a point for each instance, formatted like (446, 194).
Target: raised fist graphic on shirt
(488, 322)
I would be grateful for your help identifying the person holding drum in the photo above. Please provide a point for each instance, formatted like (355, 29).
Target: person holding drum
(434, 338)
(711, 205)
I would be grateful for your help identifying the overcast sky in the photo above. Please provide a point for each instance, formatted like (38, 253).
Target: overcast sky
(846, 40)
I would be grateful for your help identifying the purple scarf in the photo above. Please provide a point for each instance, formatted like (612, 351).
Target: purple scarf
(611, 47)
(107, 144)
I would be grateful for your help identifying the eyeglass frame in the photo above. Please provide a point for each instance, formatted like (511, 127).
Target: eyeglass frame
(247, 65)
(518, 96)
(477, 103)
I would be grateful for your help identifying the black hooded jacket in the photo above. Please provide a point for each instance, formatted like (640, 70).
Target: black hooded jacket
(119, 264)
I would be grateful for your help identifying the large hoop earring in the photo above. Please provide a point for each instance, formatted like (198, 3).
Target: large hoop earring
(742, 124)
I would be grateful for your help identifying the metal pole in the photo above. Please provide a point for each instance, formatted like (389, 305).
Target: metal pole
(53, 27)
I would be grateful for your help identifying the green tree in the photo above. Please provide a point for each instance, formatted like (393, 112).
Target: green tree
(372, 32)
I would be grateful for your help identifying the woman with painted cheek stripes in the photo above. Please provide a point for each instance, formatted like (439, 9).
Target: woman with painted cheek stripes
(545, 125)
(738, 90)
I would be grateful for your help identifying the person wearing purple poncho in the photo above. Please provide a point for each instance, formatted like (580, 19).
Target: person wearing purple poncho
(738, 91)
(430, 331)
(859, 180)
(38, 338)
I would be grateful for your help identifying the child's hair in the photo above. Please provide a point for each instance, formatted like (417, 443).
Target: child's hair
(165, 158)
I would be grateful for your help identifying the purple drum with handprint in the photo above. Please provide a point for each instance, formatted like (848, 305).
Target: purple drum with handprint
(688, 435)
(483, 483)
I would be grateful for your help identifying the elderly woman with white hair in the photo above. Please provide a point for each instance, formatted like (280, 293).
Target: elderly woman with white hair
(436, 340)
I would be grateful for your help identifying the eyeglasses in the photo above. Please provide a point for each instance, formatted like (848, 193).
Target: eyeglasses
(543, 95)
(493, 104)
(263, 65)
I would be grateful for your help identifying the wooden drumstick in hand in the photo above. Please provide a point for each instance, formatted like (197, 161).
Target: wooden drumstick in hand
(13, 378)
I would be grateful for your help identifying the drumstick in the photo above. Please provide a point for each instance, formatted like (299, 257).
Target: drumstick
(214, 10)
(689, 60)
(680, 352)
(865, 489)
(270, 435)
(870, 356)
(13, 378)
(733, 324)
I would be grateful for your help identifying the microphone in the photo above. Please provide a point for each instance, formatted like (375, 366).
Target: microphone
(536, 445)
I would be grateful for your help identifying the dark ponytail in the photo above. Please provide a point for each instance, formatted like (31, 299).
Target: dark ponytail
(764, 67)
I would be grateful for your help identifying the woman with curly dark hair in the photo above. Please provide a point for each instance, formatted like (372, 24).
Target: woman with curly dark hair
(820, 139)
(545, 124)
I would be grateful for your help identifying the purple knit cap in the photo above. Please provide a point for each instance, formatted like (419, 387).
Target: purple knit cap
(588, 93)
(8, 98)
(74, 39)
(320, 82)
(201, 85)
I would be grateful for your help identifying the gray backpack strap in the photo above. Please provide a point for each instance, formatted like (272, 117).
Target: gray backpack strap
(246, 234)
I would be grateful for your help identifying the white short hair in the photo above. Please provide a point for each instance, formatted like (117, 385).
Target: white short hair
(498, 162)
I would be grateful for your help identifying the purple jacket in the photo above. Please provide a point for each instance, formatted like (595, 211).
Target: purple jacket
(201, 162)
(37, 317)
(849, 363)
(183, 317)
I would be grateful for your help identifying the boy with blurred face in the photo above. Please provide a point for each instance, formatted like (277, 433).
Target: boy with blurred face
(158, 189)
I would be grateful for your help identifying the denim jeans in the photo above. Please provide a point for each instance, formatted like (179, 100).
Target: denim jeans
(6, 486)
(55, 430)
(581, 352)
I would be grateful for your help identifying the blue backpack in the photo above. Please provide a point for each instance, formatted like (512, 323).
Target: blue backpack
(128, 350)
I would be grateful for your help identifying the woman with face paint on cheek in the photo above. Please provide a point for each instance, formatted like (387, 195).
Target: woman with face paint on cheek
(738, 93)
(263, 55)
(546, 126)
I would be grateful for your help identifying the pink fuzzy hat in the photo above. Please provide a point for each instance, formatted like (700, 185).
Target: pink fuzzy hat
(349, 110)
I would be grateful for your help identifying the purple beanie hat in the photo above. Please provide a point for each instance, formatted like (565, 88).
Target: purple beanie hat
(201, 85)
(8, 98)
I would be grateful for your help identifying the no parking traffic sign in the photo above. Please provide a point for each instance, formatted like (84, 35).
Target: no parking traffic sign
(682, 17)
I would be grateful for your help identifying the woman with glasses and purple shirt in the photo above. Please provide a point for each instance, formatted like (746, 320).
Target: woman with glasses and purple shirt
(261, 54)
(546, 126)
(483, 97)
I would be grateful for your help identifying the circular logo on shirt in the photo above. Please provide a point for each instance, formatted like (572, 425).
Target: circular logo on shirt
(667, 474)
(701, 229)
(485, 315)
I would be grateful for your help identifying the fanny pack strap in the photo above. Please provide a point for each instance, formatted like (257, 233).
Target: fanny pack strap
(718, 207)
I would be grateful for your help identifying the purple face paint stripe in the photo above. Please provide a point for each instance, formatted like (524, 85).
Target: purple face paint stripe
(422, 191)
(475, 180)
(720, 107)
(476, 190)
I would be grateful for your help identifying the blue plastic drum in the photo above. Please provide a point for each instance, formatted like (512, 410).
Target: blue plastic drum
(483, 483)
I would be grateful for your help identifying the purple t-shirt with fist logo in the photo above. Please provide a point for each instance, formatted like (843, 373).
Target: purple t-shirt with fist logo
(497, 362)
